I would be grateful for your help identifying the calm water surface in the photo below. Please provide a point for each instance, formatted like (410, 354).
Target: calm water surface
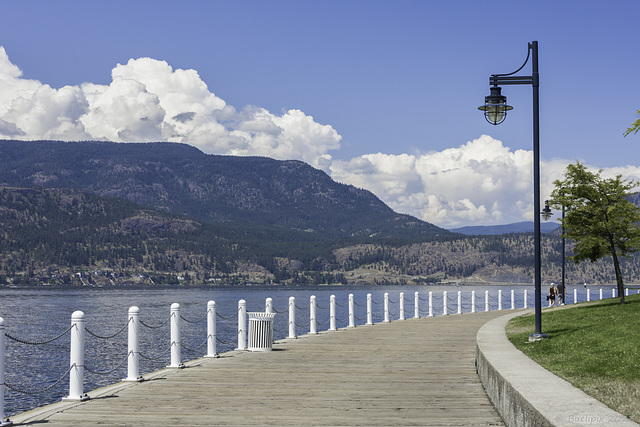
(37, 315)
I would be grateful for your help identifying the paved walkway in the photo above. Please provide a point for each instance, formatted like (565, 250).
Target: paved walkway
(417, 372)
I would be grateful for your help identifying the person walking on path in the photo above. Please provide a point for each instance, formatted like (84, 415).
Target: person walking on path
(552, 295)
(562, 293)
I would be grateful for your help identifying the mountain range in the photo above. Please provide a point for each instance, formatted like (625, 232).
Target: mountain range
(102, 213)
(235, 191)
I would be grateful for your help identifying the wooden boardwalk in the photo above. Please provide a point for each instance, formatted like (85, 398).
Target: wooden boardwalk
(417, 372)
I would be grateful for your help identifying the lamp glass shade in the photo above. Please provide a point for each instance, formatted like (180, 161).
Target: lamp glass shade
(495, 106)
(546, 212)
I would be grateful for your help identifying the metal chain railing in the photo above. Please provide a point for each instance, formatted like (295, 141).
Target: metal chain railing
(44, 390)
(228, 317)
(195, 348)
(155, 326)
(155, 358)
(96, 372)
(110, 336)
(21, 341)
(197, 320)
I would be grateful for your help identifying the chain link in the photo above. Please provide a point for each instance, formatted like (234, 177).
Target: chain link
(44, 390)
(155, 358)
(230, 317)
(111, 336)
(194, 321)
(155, 326)
(21, 341)
(194, 349)
(111, 371)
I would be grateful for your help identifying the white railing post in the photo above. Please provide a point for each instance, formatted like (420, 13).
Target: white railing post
(268, 305)
(332, 313)
(211, 330)
(499, 299)
(444, 303)
(2, 371)
(242, 325)
(416, 305)
(76, 374)
(401, 309)
(430, 304)
(575, 295)
(175, 337)
(459, 302)
(473, 301)
(525, 296)
(312, 315)
(352, 314)
(133, 341)
(588, 294)
(292, 317)
(386, 307)
(486, 300)
(613, 293)
(626, 292)
(513, 299)
(600, 293)
(369, 310)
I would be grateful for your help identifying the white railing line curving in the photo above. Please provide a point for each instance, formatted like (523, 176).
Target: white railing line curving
(78, 329)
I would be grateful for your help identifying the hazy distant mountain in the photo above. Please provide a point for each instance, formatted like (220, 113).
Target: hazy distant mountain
(517, 227)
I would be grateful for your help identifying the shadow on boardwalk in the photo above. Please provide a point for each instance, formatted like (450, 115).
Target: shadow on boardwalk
(412, 372)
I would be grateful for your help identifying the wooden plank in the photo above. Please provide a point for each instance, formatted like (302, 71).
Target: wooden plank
(411, 372)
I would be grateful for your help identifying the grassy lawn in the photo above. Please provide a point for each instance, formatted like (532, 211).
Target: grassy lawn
(595, 346)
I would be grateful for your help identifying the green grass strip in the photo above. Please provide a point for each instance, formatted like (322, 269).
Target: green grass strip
(595, 346)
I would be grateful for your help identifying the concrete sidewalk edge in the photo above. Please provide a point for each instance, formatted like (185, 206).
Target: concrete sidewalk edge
(526, 394)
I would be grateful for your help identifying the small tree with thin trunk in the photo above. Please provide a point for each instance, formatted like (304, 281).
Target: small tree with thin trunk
(599, 218)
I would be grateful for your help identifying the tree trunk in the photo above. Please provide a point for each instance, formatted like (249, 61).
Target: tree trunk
(616, 265)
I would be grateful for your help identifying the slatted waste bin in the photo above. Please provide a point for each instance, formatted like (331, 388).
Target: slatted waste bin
(260, 331)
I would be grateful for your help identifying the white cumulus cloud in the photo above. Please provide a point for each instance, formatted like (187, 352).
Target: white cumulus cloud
(147, 100)
(480, 182)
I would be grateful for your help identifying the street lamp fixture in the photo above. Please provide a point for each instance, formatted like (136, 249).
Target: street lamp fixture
(495, 106)
(546, 212)
(495, 111)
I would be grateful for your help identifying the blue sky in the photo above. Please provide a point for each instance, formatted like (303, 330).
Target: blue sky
(379, 94)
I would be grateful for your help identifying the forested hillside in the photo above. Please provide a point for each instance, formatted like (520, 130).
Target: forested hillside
(103, 214)
(236, 191)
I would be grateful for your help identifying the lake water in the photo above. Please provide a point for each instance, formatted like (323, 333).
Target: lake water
(40, 314)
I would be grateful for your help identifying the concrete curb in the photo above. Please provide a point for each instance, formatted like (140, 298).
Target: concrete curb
(526, 394)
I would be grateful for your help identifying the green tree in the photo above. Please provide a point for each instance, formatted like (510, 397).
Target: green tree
(635, 126)
(599, 217)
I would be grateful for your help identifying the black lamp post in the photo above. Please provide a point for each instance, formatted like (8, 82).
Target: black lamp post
(495, 111)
